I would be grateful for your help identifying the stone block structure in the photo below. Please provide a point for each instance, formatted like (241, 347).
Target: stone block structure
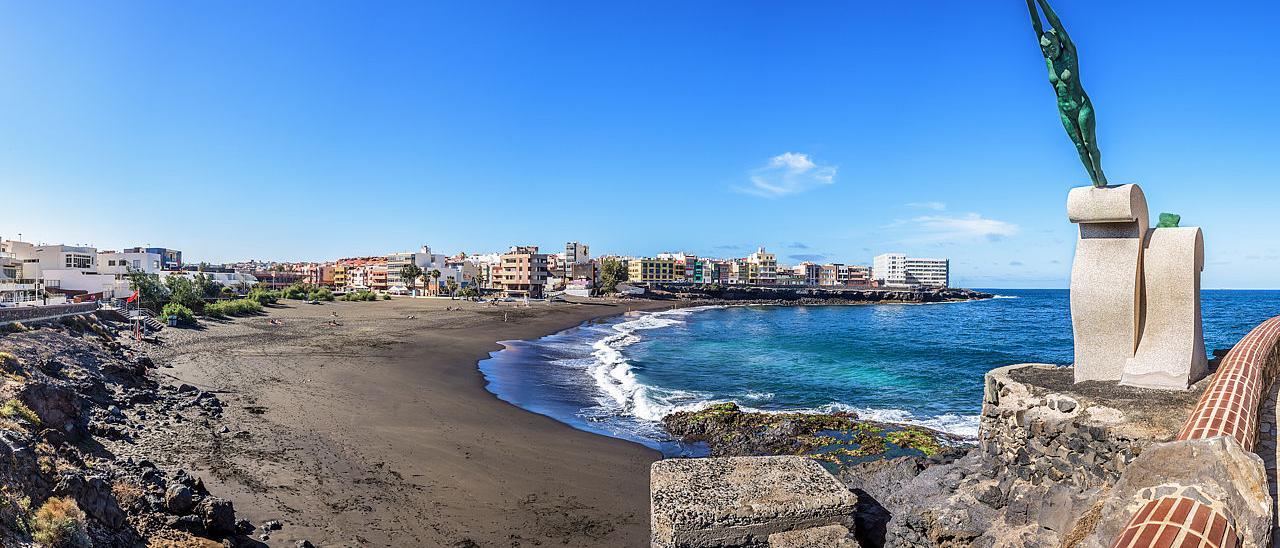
(741, 501)
(1171, 353)
(1106, 277)
(1135, 293)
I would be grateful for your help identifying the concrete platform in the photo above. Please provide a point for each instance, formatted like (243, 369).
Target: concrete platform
(740, 501)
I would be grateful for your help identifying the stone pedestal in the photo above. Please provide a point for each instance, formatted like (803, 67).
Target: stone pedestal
(1106, 278)
(1170, 351)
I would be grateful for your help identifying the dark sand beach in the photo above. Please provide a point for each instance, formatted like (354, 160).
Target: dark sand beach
(379, 431)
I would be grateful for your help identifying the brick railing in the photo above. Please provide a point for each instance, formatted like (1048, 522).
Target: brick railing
(1229, 407)
(37, 313)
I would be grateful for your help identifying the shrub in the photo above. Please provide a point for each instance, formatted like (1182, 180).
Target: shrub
(386, 297)
(185, 315)
(360, 296)
(321, 294)
(14, 409)
(237, 307)
(297, 291)
(15, 509)
(59, 522)
(264, 296)
(7, 359)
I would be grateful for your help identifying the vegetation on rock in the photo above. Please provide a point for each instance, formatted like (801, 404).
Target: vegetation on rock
(837, 438)
(13, 409)
(59, 523)
(185, 315)
(238, 307)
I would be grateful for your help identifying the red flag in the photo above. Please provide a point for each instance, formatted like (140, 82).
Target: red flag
(132, 297)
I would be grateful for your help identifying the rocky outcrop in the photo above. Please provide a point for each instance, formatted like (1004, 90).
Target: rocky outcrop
(838, 438)
(785, 295)
(65, 388)
(1050, 451)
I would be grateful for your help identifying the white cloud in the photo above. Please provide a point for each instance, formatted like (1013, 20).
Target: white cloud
(786, 174)
(936, 206)
(942, 228)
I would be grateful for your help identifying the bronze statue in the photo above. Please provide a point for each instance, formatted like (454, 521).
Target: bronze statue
(1064, 74)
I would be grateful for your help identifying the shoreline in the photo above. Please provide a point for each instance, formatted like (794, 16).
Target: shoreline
(565, 397)
(400, 440)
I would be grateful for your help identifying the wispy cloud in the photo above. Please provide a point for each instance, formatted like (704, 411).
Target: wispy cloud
(812, 257)
(786, 174)
(943, 228)
(936, 206)
(798, 245)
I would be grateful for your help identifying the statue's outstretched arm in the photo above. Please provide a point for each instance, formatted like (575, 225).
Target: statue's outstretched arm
(1053, 20)
(1035, 18)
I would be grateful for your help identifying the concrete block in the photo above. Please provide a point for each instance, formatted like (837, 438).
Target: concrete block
(829, 536)
(740, 501)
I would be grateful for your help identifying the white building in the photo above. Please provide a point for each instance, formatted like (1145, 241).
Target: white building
(899, 270)
(239, 281)
(18, 285)
(119, 263)
(70, 270)
(424, 259)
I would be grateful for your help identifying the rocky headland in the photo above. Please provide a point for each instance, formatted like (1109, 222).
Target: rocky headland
(783, 295)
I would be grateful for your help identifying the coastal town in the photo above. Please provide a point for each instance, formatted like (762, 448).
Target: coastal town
(39, 274)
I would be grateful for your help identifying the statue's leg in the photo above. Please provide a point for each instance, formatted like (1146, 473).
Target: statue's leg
(1077, 137)
(1086, 122)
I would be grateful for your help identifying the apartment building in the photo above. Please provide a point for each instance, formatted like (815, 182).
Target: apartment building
(660, 269)
(806, 273)
(123, 262)
(762, 268)
(854, 276)
(170, 259)
(67, 270)
(575, 253)
(523, 272)
(899, 270)
(427, 261)
(18, 285)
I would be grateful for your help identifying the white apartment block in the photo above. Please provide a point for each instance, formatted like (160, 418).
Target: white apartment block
(899, 270)
(424, 259)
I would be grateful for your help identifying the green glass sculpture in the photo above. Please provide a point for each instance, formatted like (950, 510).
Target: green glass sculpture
(1169, 220)
(1064, 74)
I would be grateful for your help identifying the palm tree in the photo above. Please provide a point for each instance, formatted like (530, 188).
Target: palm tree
(435, 275)
(453, 287)
(409, 273)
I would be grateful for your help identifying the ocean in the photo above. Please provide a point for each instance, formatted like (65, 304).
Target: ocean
(910, 363)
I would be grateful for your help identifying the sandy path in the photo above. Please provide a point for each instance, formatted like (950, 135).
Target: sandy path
(379, 432)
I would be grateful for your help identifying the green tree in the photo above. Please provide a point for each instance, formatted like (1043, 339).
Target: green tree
(409, 273)
(184, 291)
(453, 287)
(152, 293)
(435, 276)
(612, 272)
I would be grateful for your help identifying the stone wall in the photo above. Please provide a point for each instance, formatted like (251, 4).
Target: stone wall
(38, 313)
(1038, 434)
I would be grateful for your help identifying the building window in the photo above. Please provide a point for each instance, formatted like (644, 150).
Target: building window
(78, 261)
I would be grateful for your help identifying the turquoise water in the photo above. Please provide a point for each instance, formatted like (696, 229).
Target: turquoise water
(920, 364)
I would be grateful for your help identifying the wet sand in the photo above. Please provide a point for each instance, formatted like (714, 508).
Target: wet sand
(380, 432)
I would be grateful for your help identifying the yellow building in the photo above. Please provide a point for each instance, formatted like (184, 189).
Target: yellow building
(654, 269)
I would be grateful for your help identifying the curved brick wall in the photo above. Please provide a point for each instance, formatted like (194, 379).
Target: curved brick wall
(1229, 407)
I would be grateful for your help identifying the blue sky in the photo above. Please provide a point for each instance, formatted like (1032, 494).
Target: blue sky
(827, 130)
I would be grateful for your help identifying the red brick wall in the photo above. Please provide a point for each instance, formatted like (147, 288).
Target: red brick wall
(1229, 407)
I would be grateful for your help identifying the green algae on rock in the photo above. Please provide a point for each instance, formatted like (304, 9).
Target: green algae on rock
(840, 439)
